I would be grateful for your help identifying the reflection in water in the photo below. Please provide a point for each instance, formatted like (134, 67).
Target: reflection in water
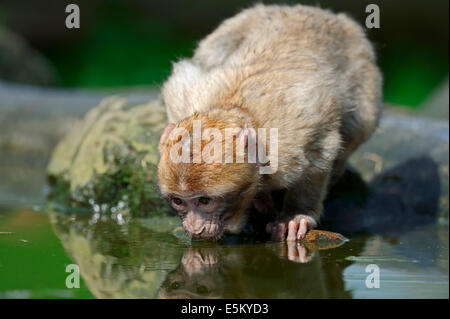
(259, 271)
(135, 259)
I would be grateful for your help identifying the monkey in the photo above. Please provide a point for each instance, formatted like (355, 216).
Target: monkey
(306, 72)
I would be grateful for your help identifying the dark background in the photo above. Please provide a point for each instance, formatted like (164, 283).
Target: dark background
(132, 43)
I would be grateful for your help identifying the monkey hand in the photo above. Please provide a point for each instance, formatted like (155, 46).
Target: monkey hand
(291, 228)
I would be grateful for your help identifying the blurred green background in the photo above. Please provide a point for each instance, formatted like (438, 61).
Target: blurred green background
(132, 43)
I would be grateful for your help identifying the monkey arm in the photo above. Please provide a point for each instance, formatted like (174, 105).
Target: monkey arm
(306, 197)
(302, 208)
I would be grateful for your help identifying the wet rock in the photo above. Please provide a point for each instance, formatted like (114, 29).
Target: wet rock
(400, 139)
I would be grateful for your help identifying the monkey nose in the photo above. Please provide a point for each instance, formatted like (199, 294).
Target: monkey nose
(195, 224)
(196, 232)
(197, 228)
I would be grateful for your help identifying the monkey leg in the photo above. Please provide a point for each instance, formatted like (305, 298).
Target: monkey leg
(338, 171)
(351, 140)
(302, 208)
(339, 164)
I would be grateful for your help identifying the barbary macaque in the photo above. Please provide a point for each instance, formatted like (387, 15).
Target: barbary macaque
(297, 89)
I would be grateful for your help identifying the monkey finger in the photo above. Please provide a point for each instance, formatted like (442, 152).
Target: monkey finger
(292, 232)
(302, 254)
(305, 255)
(279, 231)
(303, 229)
(282, 229)
(292, 251)
(298, 253)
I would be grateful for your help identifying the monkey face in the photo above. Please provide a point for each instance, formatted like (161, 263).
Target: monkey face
(208, 217)
(201, 214)
(209, 200)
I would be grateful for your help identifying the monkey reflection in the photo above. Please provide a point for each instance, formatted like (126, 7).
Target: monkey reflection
(276, 270)
(198, 276)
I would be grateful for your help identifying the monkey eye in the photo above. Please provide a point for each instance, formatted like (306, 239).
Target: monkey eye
(177, 201)
(175, 285)
(204, 200)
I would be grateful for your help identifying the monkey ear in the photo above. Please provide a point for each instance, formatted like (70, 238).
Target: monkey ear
(166, 133)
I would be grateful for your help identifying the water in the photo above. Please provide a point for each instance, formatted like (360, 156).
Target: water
(132, 260)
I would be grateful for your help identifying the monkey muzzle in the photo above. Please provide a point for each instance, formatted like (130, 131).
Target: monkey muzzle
(201, 225)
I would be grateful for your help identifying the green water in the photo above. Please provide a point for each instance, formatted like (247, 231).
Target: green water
(121, 258)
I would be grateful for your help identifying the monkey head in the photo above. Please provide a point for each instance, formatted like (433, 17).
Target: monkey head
(200, 176)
